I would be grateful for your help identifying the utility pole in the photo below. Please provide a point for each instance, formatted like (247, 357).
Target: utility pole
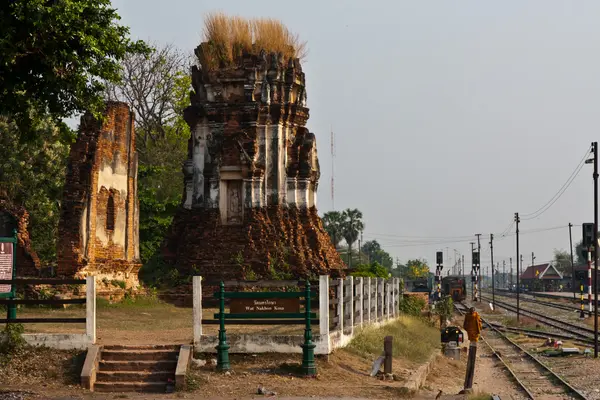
(532, 259)
(493, 275)
(572, 265)
(504, 272)
(478, 271)
(595, 243)
(462, 268)
(517, 220)
(472, 272)
(511, 271)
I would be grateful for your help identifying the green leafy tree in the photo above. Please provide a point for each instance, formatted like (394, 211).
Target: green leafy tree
(372, 270)
(352, 226)
(562, 260)
(56, 56)
(333, 225)
(416, 269)
(157, 88)
(32, 175)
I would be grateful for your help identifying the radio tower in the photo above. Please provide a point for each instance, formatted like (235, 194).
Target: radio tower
(332, 171)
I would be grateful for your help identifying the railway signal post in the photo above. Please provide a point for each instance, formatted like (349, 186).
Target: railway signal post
(594, 244)
(588, 243)
(493, 275)
(475, 274)
(517, 220)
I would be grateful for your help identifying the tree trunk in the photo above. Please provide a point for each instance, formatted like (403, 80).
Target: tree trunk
(349, 255)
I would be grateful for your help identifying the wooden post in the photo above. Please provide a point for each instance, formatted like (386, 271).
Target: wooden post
(369, 300)
(361, 302)
(388, 353)
(324, 308)
(341, 305)
(470, 366)
(197, 308)
(90, 308)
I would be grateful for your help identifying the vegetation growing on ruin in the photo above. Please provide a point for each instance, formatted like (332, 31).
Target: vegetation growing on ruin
(227, 38)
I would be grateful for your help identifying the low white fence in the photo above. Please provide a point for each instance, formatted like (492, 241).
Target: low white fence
(344, 304)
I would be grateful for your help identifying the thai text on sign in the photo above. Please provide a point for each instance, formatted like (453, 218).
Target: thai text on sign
(241, 306)
(6, 265)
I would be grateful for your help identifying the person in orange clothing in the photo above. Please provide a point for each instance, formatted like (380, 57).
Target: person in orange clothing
(472, 325)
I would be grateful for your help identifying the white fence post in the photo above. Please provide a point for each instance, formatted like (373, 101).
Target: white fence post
(380, 287)
(90, 308)
(361, 301)
(376, 299)
(197, 308)
(341, 305)
(394, 297)
(388, 300)
(351, 279)
(369, 300)
(324, 306)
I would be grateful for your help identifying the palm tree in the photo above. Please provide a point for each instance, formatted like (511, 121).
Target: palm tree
(352, 226)
(333, 224)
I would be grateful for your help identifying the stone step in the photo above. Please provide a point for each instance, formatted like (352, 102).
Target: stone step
(172, 347)
(154, 387)
(138, 355)
(135, 376)
(141, 366)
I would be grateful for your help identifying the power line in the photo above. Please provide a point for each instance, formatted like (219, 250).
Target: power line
(560, 191)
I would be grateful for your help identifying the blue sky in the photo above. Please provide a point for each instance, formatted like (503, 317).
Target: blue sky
(449, 117)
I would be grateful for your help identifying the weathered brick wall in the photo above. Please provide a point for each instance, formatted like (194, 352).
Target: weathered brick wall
(248, 128)
(28, 262)
(102, 170)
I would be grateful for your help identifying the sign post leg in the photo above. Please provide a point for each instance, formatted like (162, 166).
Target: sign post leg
(222, 347)
(308, 348)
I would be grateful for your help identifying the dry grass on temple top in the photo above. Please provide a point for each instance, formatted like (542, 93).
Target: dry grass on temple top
(228, 37)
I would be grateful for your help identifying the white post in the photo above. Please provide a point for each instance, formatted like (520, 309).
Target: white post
(351, 279)
(324, 306)
(394, 297)
(369, 300)
(361, 301)
(197, 308)
(388, 300)
(376, 299)
(380, 287)
(90, 308)
(341, 305)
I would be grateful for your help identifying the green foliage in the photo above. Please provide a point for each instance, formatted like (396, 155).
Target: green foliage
(412, 305)
(119, 283)
(11, 341)
(56, 56)
(562, 260)
(332, 223)
(156, 273)
(374, 251)
(32, 175)
(444, 308)
(414, 269)
(373, 270)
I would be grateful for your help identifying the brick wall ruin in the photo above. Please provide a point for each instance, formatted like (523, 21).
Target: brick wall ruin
(251, 175)
(98, 228)
(13, 217)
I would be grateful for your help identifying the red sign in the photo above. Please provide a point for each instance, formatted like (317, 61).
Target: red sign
(6, 265)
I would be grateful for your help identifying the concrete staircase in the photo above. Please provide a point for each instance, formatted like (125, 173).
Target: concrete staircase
(137, 368)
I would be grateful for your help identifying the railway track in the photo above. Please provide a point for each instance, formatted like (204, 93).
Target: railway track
(534, 377)
(537, 301)
(578, 332)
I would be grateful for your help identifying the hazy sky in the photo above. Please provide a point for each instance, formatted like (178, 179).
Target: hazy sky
(449, 116)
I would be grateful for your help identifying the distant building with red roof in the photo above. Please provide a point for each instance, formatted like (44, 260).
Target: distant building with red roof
(543, 277)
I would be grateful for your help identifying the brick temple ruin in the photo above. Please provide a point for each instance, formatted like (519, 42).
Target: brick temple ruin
(249, 203)
(16, 218)
(98, 229)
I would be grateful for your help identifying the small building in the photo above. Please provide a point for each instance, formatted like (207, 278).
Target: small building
(542, 278)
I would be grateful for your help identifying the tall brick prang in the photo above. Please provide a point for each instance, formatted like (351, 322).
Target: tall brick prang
(249, 204)
(98, 228)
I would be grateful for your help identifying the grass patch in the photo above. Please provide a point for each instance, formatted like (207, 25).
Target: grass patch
(414, 339)
(480, 396)
(130, 302)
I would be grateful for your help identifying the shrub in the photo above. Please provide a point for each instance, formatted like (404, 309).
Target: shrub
(373, 270)
(11, 341)
(412, 305)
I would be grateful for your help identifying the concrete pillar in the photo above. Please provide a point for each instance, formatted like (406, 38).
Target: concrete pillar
(388, 300)
(369, 300)
(375, 300)
(380, 286)
(90, 308)
(351, 304)
(324, 306)
(394, 297)
(197, 308)
(361, 302)
(341, 305)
